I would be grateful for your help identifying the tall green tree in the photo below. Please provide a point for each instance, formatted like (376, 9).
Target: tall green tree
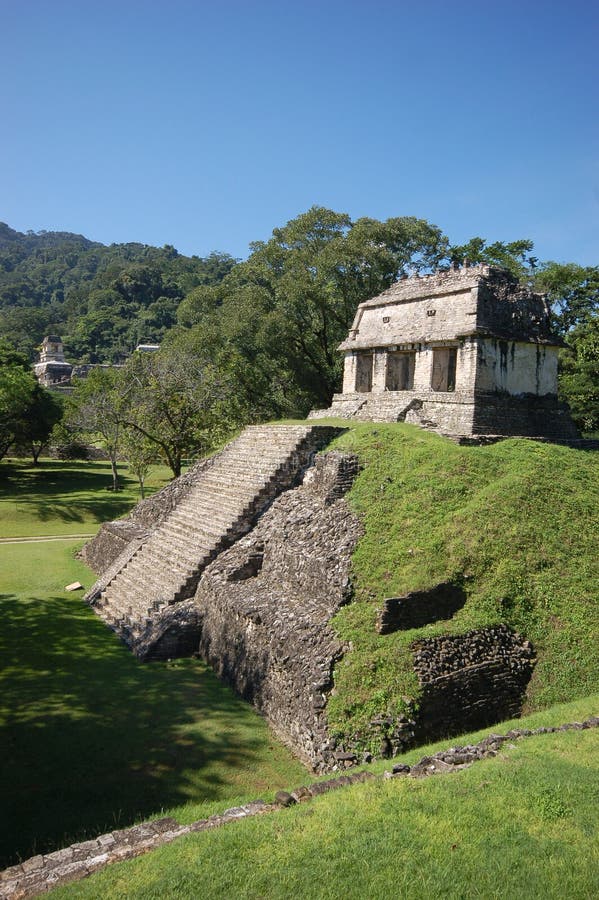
(579, 376)
(287, 307)
(573, 292)
(34, 427)
(17, 393)
(175, 401)
(95, 411)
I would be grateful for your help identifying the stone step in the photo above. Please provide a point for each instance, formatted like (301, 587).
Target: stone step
(179, 545)
(218, 508)
(209, 506)
(208, 527)
(226, 499)
(187, 541)
(151, 587)
(175, 565)
(150, 566)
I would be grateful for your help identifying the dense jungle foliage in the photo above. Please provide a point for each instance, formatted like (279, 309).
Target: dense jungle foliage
(102, 300)
(265, 329)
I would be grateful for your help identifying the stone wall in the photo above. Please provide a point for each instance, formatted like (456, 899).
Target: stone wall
(525, 416)
(470, 680)
(265, 606)
(110, 542)
(516, 367)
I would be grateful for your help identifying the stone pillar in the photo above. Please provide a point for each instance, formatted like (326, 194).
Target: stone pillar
(466, 366)
(423, 368)
(379, 371)
(349, 373)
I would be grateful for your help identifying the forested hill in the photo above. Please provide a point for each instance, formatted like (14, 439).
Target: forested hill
(268, 327)
(103, 300)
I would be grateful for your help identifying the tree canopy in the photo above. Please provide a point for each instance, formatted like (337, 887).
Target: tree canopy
(281, 314)
(260, 336)
(28, 412)
(102, 300)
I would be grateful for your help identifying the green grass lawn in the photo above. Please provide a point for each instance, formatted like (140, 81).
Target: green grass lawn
(520, 825)
(65, 497)
(89, 738)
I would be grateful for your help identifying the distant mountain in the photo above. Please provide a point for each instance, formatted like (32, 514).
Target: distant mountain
(102, 300)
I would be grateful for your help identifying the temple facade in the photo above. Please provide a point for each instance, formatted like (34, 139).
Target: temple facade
(468, 351)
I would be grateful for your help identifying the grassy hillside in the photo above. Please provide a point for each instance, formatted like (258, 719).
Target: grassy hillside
(517, 521)
(519, 825)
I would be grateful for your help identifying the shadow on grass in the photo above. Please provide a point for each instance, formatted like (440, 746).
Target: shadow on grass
(101, 509)
(91, 740)
(50, 478)
(37, 489)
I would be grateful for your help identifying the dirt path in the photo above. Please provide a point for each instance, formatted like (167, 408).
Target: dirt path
(45, 537)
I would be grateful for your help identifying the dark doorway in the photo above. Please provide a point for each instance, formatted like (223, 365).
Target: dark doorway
(444, 369)
(363, 373)
(400, 371)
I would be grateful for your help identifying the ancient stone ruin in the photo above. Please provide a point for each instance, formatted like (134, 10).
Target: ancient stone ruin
(246, 558)
(468, 352)
(52, 369)
(157, 569)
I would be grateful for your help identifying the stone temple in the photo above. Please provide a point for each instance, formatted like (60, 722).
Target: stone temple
(468, 352)
(53, 369)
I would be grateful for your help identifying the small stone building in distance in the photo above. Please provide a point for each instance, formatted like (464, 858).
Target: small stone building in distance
(467, 351)
(53, 370)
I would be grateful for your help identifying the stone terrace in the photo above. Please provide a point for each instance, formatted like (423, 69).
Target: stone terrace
(222, 505)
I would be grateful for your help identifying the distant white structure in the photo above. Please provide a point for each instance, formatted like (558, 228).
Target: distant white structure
(54, 372)
(53, 369)
(147, 348)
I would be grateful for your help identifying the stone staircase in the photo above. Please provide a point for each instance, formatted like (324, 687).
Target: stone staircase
(222, 506)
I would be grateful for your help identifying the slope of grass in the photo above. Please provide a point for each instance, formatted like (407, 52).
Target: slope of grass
(520, 825)
(517, 521)
(58, 497)
(89, 738)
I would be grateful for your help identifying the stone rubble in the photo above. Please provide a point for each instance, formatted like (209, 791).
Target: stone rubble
(41, 873)
(266, 603)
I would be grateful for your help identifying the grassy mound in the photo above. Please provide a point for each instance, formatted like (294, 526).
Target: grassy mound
(517, 521)
(519, 825)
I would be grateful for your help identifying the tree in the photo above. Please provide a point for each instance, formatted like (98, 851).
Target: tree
(285, 310)
(514, 255)
(176, 401)
(579, 378)
(140, 453)
(96, 409)
(573, 292)
(17, 391)
(34, 427)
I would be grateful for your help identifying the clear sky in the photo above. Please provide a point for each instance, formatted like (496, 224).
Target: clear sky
(207, 124)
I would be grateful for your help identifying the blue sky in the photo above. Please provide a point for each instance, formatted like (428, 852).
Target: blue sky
(205, 125)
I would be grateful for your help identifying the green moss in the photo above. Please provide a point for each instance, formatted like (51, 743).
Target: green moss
(517, 521)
